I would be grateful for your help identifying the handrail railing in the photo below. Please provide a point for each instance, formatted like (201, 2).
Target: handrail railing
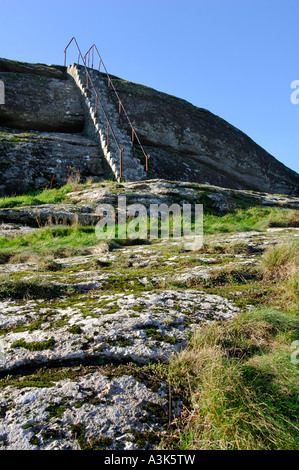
(120, 104)
(88, 79)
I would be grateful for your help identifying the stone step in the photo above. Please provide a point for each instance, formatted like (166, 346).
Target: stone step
(132, 168)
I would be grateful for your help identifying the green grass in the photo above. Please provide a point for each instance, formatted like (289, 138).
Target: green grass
(254, 218)
(48, 242)
(240, 385)
(34, 288)
(34, 345)
(47, 196)
(63, 241)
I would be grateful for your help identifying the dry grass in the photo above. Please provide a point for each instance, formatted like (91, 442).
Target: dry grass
(241, 388)
(280, 265)
(281, 261)
(235, 247)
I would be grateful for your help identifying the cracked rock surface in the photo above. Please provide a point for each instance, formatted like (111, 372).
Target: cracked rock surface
(77, 370)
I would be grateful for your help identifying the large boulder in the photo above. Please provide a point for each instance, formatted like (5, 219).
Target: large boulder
(187, 143)
(40, 97)
(34, 160)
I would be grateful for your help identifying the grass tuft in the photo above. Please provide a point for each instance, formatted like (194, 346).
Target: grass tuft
(241, 386)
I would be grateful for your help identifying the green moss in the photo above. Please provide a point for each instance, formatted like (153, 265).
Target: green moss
(34, 346)
(96, 443)
(44, 377)
(56, 410)
(154, 334)
(141, 439)
(156, 410)
(51, 434)
(30, 425)
(75, 329)
(120, 341)
(34, 441)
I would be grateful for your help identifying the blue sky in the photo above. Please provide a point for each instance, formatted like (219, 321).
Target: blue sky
(236, 58)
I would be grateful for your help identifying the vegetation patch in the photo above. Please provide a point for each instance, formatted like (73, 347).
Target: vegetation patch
(96, 443)
(254, 218)
(33, 198)
(75, 329)
(34, 345)
(33, 288)
(240, 385)
(56, 410)
(154, 334)
(120, 341)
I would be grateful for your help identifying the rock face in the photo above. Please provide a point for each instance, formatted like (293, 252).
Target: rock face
(42, 138)
(39, 98)
(32, 159)
(186, 143)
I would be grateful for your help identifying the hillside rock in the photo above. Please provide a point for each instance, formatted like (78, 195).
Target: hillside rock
(32, 159)
(39, 98)
(185, 143)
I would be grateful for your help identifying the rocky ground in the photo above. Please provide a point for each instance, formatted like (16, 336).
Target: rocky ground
(80, 368)
(82, 205)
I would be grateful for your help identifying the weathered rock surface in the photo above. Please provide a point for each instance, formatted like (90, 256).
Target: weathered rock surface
(39, 98)
(83, 205)
(37, 159)
(91, 411)
(73, 369)
(158, 191)
(139, 328)
(187, 143)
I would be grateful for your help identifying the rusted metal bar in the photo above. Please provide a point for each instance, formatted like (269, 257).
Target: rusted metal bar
(109, 88)
(98, 101)
(132, 138)
(146, 164)
(119, 112)
(121, 163)
(50, 184)
(96, 107)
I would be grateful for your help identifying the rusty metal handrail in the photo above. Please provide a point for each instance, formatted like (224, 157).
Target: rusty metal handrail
(88, 78)
(120, 104)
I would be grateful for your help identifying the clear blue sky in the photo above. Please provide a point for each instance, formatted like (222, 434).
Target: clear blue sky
(236, 58)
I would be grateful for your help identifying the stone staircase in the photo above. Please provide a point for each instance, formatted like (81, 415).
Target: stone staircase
(132, 169)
